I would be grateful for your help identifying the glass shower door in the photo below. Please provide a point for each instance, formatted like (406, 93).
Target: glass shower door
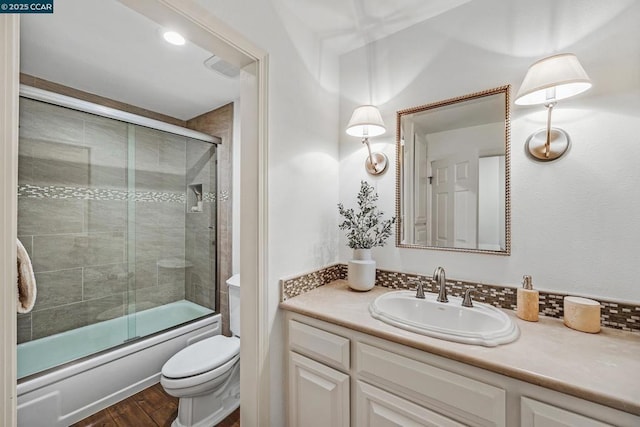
(173, 253)
(157, 254)
(119, 222)
(72, 218)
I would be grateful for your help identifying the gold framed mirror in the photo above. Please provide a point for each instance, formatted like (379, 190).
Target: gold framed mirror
(452, 174)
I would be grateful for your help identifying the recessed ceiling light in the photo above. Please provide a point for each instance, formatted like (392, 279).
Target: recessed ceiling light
(173, 38)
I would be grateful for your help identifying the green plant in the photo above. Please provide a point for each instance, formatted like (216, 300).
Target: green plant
(366, 228)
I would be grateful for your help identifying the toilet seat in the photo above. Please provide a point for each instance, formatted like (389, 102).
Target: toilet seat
(198, 384)
(205, 356)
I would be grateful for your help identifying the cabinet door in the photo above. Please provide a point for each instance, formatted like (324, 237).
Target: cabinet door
(538, 414)
(318, 395)
(377, 408)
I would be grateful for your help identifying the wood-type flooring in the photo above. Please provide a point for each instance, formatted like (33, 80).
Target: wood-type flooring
(151, 407)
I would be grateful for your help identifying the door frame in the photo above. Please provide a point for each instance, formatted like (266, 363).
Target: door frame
(205, 28)
(9, 86)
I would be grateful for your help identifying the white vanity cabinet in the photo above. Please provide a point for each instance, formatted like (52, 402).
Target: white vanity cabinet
(342, 377)
(318, 394)
(387, 388)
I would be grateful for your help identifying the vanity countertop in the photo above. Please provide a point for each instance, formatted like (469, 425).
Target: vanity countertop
(603, 368)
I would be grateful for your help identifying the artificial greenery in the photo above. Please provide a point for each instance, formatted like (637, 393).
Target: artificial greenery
(365, 229)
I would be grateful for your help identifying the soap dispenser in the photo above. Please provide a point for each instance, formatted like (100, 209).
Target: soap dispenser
(527, 302)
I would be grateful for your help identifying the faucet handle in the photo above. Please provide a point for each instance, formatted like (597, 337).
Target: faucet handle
(419, 288)
(466, 301)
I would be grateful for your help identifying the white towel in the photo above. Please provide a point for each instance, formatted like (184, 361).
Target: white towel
(26, 281)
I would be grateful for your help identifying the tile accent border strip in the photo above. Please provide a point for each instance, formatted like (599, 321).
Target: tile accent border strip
(615, 315)
(86, 193)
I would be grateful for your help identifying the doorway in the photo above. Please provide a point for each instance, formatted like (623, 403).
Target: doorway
(217, 37)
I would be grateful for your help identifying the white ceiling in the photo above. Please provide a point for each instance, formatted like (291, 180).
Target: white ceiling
(344, 25)
(105, 48)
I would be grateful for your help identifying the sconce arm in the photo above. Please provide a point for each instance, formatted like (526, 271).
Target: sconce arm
(365, 141)
(547, 145)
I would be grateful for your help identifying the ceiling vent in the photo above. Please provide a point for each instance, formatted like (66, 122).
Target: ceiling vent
(222, 67)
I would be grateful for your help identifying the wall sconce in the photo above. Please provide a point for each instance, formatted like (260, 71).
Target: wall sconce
(547, 81)
(366, 121)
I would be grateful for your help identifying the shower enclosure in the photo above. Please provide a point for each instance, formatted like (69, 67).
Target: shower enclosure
(118, 218)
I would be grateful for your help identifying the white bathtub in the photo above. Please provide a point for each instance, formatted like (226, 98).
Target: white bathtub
(63, 396)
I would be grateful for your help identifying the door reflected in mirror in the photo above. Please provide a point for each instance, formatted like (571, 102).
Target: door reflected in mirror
(452, 174)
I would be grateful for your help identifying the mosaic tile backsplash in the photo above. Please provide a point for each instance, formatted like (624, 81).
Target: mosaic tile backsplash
(613, 314)
(304, 283)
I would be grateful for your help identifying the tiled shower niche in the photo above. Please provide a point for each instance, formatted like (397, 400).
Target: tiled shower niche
(102, 211)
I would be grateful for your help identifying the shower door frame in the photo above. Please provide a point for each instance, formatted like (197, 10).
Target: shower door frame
(112, 113)
(254, 167)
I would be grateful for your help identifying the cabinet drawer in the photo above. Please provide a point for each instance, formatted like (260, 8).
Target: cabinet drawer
(376, 407)
(470, 401)
(320, 345)
(538, 414)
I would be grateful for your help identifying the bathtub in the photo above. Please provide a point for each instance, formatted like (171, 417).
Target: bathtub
(91, 382)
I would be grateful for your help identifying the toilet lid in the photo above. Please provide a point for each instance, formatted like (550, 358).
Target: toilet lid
(201, 357)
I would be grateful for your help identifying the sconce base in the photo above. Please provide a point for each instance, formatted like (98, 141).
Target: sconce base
(381, 163)
(558, 145)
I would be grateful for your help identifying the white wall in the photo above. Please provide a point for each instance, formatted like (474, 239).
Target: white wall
(303, 156)
(575, 221)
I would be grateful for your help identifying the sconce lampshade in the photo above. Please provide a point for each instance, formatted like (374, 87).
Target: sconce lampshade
(366, 121)
(546, 82)
(560, 73)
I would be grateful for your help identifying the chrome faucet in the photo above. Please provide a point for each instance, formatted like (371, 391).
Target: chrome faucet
(439, 277)
(419, 288)
(467, 301)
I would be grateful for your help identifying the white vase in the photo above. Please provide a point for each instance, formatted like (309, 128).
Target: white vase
(361, 273)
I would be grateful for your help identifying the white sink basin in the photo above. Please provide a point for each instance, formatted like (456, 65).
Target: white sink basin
(481, 324)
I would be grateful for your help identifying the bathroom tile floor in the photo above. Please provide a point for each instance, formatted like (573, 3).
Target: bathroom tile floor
(152, 407)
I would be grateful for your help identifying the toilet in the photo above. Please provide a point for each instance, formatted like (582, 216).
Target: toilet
(206, 375)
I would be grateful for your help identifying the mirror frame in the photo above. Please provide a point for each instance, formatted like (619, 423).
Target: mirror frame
(506, 89)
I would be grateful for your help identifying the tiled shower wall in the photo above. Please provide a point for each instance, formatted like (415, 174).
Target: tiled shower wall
(73, 212)
(200, 225)
(219, 122)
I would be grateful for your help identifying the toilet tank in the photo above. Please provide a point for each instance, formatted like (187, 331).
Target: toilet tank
(234, 304)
